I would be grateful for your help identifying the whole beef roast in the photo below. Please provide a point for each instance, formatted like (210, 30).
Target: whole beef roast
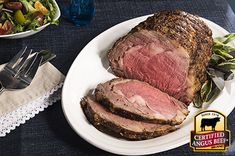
(115, 125)
(140, 101)
(169, 50)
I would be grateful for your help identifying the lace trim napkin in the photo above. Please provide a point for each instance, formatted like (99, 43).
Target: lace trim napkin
(20, 105)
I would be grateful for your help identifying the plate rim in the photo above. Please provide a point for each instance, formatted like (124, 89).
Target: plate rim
(185, 139)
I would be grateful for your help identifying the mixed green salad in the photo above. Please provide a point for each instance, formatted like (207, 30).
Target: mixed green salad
(22, 15)
(220, 69)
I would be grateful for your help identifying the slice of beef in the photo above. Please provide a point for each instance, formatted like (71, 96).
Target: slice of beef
(117, 126)
(140, 101)
(169, 50)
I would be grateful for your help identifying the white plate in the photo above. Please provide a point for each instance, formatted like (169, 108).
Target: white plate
(88, 70)
(32, 32)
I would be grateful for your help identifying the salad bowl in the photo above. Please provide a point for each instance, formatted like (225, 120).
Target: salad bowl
(32, 32)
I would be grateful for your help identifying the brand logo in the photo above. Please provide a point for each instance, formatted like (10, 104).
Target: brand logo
(210, 132)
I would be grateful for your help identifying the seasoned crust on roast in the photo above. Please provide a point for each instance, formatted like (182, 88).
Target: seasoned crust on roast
(103, 91)
(115, 130)
(189, 31)
(183, 30)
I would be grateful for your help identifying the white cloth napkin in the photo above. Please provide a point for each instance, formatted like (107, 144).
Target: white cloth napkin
(20, 105)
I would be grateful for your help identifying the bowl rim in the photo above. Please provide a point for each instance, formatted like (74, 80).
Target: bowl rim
(57, 16)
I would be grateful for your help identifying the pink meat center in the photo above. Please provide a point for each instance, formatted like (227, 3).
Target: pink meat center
(160, 64)
(154, 99)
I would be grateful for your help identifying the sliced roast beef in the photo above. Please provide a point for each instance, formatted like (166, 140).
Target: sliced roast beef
(115, 125)
(169, 50)
(140, 101)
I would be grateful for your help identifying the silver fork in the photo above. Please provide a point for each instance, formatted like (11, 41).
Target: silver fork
(20, 71)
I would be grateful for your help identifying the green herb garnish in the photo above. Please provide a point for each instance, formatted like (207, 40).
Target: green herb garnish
(219, 70)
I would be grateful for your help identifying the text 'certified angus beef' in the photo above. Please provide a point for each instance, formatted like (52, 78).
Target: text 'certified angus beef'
(169, 50)
(140, 101)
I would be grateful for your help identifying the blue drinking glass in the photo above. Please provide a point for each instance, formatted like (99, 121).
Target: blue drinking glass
(80, 12)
